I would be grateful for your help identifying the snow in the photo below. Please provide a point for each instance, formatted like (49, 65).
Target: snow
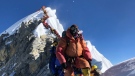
(125, 68)
(2, 68)
(5, 37)
(8, 42)
(4, 74)
(14, 65)
(11, 30)
(98, 58)
(131, 59)
(40, 30)
(12, 74)
(132, 73)
(52, 21)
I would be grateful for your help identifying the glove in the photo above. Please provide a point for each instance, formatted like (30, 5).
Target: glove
(90, 62)
(64, 65)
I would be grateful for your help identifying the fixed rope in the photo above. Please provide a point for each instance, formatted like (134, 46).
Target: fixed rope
(43, 20)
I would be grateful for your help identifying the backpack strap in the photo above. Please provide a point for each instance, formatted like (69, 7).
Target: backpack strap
(81, 40)
(67, 43)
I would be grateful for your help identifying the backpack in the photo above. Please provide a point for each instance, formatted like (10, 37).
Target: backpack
(64, 34)
(67, 39)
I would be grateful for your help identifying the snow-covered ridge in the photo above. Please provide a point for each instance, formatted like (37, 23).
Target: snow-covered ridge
(98, 58)
(26, 19)
(125, 68)
(125, 61)
(52, 21)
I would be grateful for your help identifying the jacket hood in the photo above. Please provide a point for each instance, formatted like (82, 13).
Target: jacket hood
(69, 35)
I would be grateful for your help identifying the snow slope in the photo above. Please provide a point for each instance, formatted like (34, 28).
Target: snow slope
(98, 58)
(52, 21)
(125, 68)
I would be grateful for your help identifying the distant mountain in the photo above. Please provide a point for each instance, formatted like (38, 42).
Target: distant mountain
(126, 68)
(24, 47)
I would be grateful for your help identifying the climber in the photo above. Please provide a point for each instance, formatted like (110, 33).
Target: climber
(72, 51)
(45, 12)
(54, 64)
(95, 71)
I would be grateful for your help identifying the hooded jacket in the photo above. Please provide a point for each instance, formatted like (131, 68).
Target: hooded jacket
(76, 48)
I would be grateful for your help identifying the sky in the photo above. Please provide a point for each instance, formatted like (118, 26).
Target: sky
(108, 24)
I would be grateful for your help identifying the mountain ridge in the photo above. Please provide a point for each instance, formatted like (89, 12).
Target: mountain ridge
(125, 68)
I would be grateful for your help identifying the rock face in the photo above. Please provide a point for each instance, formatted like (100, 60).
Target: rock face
(22, 54)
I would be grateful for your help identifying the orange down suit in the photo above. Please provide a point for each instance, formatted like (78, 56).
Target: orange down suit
(76, 48)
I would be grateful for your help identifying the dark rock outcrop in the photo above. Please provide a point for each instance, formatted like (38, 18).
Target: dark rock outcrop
(22, 54)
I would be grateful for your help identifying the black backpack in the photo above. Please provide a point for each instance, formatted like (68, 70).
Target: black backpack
(65, 36)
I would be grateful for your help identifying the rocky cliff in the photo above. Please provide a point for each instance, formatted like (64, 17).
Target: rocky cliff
(23, 54)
